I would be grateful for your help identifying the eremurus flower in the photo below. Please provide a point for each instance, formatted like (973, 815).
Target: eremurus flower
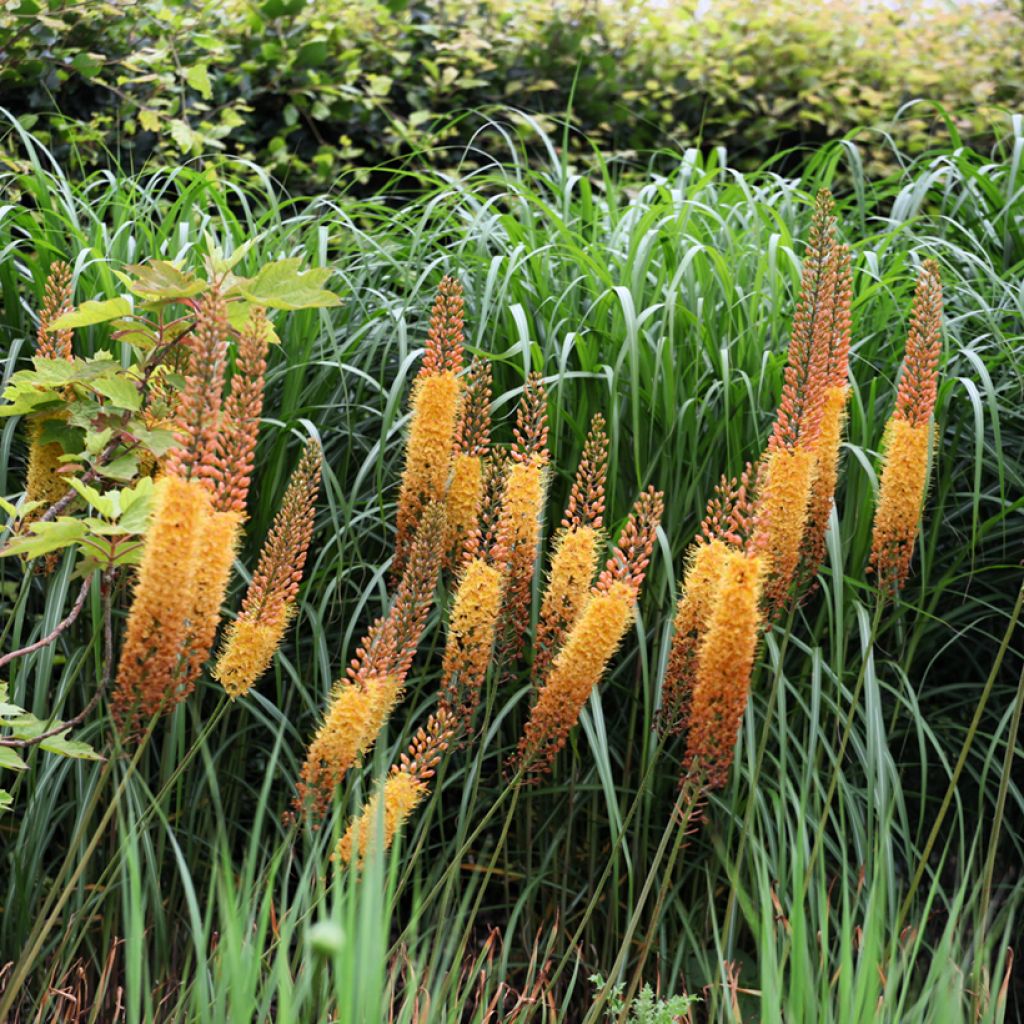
(372, 831)
(815, 362)
(727, 526)
(434, 417)
(269, 603)
(162, 601)
(472, 446)
(522, 506)
(907, 438)
(577, 550)
(361, 703)
(592, 640)
(165, 632)
(236, 442)
(836, 336)
(472, 628)
(43, 481)
(725, 658)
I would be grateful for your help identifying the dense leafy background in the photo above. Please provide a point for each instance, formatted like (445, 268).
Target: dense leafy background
(312, 89)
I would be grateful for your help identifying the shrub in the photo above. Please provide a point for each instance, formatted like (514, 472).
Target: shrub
(310, 89)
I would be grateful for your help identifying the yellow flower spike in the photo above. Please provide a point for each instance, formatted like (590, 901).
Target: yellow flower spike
(269, 604)
(355, 716)
(43, 482)
(907, 434)
(163, 600)
(466, 490)
(367, 834)
(462, 505)
(826, 454)
(577, 670)
(725, 659)
(519, 527)
(901, 497)
(472, 628)
(435, 413)
(249, 646)
(573, 567)
(219, 537)
(700, 587)
(404, 789)
(784, 495)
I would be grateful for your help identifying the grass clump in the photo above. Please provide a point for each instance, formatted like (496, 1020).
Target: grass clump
(816, 885)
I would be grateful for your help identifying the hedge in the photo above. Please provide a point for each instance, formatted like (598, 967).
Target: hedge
(309, 88)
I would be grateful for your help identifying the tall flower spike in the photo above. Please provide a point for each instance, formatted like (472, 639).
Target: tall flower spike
(577, 550)
(699, 589)
(907, 436)
(269, 604)
(435, 413)
(725, 659)
(43, 481)
(522, 507)
(785, 480)
(56, 302)
(472, 445)
(162, 602)
(472, 627)
(199, 402)
(361, 704)
(218, 544)
(806, 373)
(372, 831)
(236, 445)
(728, 525)
(592, 641)
(830, 437)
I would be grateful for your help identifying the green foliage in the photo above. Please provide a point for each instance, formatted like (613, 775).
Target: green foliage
(25, 726)
(664, 303)
(309, 90)
(646, 1008)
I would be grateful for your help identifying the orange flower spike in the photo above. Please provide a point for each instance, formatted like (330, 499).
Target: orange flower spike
(632, 554)
(907, 439)
(918, 387)
(472, 446)
(725, 660)
(163, 600)
(57, 300)
(522, 507)
(434, 417)
(372, 831)
(807, 364)
(236, 446)
(218, 543)
(577, 550)
(253, 638)
(472, 628)
(577, 669)
(784, 495)
(593, 639)
(352, 720)
(829, 441)
(700, 587)
(361, 704)
(198, 406)
(43, 481)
